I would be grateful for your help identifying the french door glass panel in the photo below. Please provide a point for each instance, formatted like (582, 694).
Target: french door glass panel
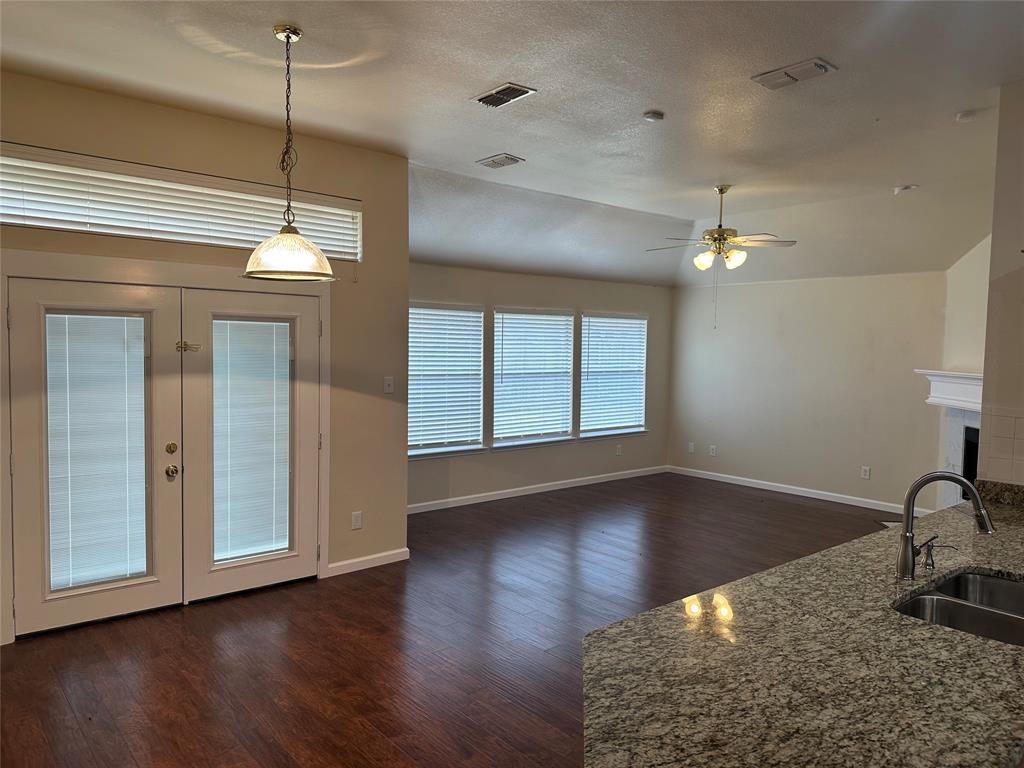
(96, 448)
(251, 438)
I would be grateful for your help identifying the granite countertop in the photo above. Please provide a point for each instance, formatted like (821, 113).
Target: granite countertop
(807, 664)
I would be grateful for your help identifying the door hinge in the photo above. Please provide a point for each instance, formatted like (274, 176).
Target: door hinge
(9, 316)
(321, 328)
(320, 442)
(318, 551)
(185, 346)
(10, 464)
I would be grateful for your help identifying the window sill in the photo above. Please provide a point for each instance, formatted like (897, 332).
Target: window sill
(631, 431)
(531, 442)
(445, 451)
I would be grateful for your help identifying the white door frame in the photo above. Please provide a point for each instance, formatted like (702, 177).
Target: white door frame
(48, 265)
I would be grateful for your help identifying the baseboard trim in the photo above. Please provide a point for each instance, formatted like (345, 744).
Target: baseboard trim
(796, 490)
(368, 561)
(526, 490)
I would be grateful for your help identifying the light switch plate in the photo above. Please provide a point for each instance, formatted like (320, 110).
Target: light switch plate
(389, 385)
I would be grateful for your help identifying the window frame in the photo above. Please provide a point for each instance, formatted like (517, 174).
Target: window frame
(439, 450)
(614, 431)
(550, 437)
(216, 184)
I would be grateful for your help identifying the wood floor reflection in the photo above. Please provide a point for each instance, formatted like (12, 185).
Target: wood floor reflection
(466, 655)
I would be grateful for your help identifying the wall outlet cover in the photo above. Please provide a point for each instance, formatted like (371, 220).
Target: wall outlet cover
(357, 520)
(618, 449)
(689, 447)
(389, 385)
(712, 450)
(865, 472)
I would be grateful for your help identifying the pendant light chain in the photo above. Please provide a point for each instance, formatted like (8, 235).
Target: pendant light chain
(289, 157)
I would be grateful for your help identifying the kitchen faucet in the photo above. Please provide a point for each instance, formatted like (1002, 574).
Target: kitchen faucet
(905, 560)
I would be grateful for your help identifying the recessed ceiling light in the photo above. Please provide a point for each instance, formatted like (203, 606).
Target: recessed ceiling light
(904, 188)
(654, 115)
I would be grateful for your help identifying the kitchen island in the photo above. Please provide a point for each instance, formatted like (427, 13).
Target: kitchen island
(809, 665)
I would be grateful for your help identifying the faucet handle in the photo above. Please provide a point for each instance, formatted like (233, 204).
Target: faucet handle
(923, 544)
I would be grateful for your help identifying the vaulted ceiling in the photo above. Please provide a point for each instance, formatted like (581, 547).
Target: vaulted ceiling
(599, 183)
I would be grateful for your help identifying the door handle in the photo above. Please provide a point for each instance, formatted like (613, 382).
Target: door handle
(171, 471)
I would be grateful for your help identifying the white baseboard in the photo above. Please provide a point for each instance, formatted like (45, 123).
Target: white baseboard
(368, 561)
(796, 490)
(525, 490)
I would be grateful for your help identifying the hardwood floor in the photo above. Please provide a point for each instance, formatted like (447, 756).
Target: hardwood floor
(468, 654)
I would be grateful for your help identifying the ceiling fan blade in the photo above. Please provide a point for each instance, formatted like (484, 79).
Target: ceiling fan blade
(692, 240)
(666, 248)
(762, 240)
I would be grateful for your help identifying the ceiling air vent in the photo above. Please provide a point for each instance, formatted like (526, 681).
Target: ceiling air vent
(500, 161)
(794, 73)
(504, 94)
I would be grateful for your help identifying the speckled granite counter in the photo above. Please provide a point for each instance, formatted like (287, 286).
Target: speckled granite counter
(807, 664)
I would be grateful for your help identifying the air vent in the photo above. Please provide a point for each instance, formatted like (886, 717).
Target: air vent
(794, 73)
(504, 94)
(500, 161)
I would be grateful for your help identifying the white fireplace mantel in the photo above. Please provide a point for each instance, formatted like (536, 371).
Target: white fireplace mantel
(954, 390)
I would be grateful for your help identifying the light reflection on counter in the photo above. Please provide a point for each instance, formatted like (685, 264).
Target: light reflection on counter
(715, 614)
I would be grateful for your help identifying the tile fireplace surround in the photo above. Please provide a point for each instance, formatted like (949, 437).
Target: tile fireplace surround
(959, 394)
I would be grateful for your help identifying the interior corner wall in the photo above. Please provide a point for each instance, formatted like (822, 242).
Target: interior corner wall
(1001, 449)
(368, 317)
(963, 346)
(484, 473)
(804, 382)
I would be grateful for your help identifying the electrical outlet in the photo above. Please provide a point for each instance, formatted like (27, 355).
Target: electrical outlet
(389, 385)
(618, 449)
(712, 450)
(690, 447)
(357, 520)
(865, 472)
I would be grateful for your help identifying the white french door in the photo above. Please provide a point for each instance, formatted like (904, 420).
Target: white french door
(251, 435)
(165, 445)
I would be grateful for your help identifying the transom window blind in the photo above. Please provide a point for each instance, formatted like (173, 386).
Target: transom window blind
(446, 379)
(532, 376)
(613, 373)
(40, 194)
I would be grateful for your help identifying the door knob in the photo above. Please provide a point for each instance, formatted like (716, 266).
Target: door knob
(171, 471)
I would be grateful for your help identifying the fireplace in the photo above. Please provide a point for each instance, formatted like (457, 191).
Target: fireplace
(970, 461)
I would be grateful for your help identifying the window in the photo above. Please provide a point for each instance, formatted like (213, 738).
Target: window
(532, 376)
(446, 379)
(613, 374)
(109, 197)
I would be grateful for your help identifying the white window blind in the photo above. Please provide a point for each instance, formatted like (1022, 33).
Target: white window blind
(55, 196)
(251, 438)
(532, 376)
(613, 374)
(445, 379)
(96, 448)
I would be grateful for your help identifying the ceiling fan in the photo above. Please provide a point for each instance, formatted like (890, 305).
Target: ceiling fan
(720, 241)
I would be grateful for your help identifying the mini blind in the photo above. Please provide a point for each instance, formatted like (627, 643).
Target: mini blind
(96, 448)
(40, 194)
(532, 376)
(446, 379)
(613, 375)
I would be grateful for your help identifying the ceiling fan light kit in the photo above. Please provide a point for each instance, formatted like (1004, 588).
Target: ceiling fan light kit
(719, 241)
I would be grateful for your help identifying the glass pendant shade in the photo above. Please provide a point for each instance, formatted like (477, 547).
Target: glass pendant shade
(734, 258)
(703, 261)
(288, 256)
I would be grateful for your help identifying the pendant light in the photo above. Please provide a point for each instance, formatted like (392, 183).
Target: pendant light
(288, 255)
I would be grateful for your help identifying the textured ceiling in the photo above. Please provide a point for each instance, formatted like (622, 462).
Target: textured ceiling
(400, 76)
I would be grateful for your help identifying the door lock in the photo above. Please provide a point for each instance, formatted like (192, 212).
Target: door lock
(171, 471)
(171, 447)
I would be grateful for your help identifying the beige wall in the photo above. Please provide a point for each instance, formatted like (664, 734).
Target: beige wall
(1002, 412)
(369, 319)
(966, 307)
(804, 382)
(432, 479)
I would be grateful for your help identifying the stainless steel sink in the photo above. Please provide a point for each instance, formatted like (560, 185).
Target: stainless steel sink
(989, 591)
(972, 602)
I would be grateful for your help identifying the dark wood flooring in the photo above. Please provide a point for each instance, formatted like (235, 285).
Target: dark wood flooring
(467, 655)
